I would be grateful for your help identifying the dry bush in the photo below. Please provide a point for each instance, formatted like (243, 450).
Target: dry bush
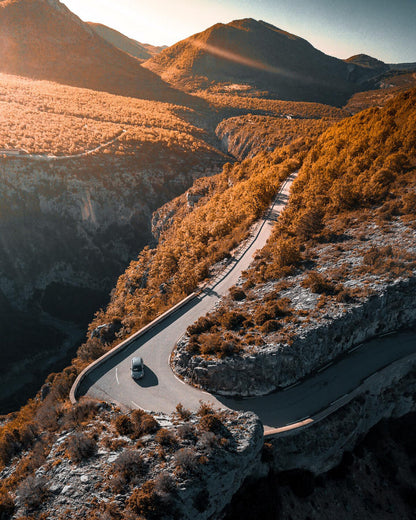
(187, 432)
(166, 438)
(137, 424)
(182, 412)
(270, 326)
(147, 502)
(91, 350)
(123, 425)
(211, 423)
(128, 468)
(6, 505)
(237, 294)
(165, 484)
(187, 462)
(32, 492)
(202, 324)
(317, 283)
(80, 447)
(143, 423)
(84, 410)
(208, 441)
(232, 320)
(205, 409)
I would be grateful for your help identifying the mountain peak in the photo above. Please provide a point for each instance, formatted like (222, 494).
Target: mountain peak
(258, 55)
(43, 39)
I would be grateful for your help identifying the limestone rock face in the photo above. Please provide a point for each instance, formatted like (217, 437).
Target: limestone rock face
(388, 394)
(280, 365)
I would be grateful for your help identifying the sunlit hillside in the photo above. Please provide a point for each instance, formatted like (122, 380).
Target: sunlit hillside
(348, 230)
(42, 39)
(47, 118)
(141, 51)
(258, 57)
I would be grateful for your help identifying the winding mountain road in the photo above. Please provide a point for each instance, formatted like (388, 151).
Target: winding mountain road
(160, 390)
(50, 157)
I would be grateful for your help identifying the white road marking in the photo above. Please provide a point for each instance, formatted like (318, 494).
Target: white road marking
(387, 334)
(136, 405)
(118, 382)
(325, 366)
(291, 386)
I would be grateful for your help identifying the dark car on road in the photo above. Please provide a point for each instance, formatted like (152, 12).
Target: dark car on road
(137, 368)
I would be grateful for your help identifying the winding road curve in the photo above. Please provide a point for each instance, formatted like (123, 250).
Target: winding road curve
(298, 406)
(50, 157)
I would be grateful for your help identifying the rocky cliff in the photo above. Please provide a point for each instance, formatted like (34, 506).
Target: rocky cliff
(183, 470)
(279, 365)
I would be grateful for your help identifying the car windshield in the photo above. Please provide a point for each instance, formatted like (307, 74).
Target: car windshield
(137, 369)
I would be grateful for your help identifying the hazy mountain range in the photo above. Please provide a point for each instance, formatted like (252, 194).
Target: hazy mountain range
(42, 39)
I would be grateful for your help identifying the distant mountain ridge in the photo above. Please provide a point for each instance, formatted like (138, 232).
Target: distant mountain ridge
(141, 51)
(43, 39)
(257, 54)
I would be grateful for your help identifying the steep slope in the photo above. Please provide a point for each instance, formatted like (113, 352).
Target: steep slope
(257, 55)
(141, 51)
(42, 39)
(339, 269)
(70, 223)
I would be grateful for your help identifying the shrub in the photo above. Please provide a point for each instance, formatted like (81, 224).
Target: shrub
(237, 294)
(211, 423)
(124, 425)
(84, 410)
(187, 432)
(208, 440)
(165, 484)
(205, 409)
(147, 502)
(186, 461)
(310, 223)
(6, 505)
(165, 438)
(262, 315)
(193, 346)
(80, 447)
(32, 491)
(270, 326)
(203, 324)
(318, 283)
(143, 424)
(129, 465)
(280, 308)
(232, 320)
(210, 343)
(182, 412)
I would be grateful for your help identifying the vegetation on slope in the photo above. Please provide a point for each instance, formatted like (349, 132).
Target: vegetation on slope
(248, 135)
(67, 50)
(354, 200)
(161, 277)
(44, 117)
(257, 55)
(389, 87)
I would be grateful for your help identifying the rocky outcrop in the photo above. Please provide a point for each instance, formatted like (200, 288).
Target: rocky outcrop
(280, 365)
(198, 485)
(388, 394)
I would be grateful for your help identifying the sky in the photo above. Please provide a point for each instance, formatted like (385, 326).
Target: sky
(384, 29)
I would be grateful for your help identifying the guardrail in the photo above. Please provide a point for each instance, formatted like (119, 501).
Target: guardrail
(211, 283)
(118, 348)
(294, 428)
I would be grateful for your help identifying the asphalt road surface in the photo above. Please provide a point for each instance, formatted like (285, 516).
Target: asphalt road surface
(160, 390)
